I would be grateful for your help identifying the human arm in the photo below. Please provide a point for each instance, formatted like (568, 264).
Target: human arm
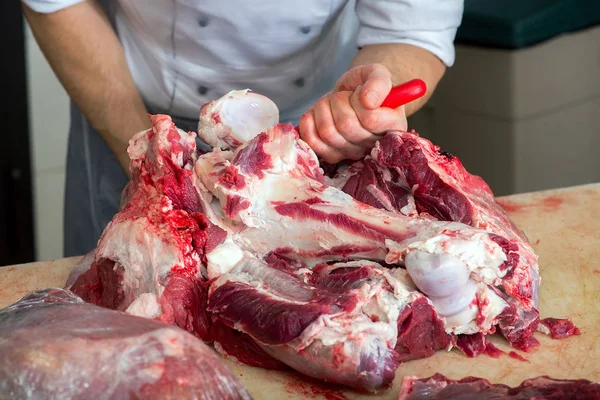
(86, 56)
(345, 123)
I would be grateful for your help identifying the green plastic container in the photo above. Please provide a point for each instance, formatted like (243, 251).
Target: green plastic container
(513, 24)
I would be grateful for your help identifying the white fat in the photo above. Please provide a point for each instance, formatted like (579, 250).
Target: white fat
(386, 306)
(145, 305)
(410, 209)
(340, 178)
(172, 342)
(355, 264)
(463, 322)
(382, 305)
(383, 198)
(543, 329)
(138, 145)
(403, 290)
(223, 258)
(401, 275)
(331, 330)
(490, 309)
(146, 255)
(286, 148)
(177, 158)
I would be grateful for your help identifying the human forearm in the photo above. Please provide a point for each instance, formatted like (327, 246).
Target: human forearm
(405, 62)
(88, 59)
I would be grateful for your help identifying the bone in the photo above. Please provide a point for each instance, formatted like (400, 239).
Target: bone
(456, 302)
(236, 118)
(436, 275)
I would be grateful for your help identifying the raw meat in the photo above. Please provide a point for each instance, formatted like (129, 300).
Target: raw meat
(148, 260)
(409, 175)
(438, 387)
(333, 327)
(251, 247)
(54, 345)
(151, 259)
(558, 328)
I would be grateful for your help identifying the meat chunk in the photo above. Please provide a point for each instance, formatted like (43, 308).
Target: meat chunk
(338, 323)
(148, 260)
(54, 345)
(409, 175)
(438, 387)
(151, 259)
(341, 277)
(280, 204)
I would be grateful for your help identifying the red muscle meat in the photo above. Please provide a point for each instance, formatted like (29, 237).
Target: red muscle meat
(340, 277)
(438, 387)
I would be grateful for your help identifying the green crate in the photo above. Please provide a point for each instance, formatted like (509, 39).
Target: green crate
(514, 24)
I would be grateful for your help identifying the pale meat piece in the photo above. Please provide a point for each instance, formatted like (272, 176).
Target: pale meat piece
(56, 346)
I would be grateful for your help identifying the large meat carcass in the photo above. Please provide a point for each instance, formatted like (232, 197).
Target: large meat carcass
(251, 247)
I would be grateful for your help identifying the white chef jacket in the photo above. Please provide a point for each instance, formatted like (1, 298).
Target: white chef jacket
(183, 53)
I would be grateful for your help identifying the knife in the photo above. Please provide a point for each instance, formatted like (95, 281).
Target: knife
(405, 93)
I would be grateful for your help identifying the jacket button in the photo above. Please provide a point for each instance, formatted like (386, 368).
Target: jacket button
(202, 90)
(305, 29)
(203, 22)
(299, 82)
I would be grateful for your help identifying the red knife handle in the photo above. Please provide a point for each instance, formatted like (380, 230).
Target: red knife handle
(405, 93)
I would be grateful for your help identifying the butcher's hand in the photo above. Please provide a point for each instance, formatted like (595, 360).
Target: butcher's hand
(346, 122)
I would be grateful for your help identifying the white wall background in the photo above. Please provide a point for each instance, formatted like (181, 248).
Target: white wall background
(49, 124)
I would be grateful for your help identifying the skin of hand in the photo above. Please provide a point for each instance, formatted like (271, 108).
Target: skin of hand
(346, 122)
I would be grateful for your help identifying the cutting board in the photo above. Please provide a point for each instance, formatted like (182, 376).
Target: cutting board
(564, 228)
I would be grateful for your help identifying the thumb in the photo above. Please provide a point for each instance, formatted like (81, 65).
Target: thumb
(376, 82)
(376, 86)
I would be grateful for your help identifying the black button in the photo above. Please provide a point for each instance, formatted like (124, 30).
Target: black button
(203, 22)
(299, 82)
(202, 90)
(305, 29)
